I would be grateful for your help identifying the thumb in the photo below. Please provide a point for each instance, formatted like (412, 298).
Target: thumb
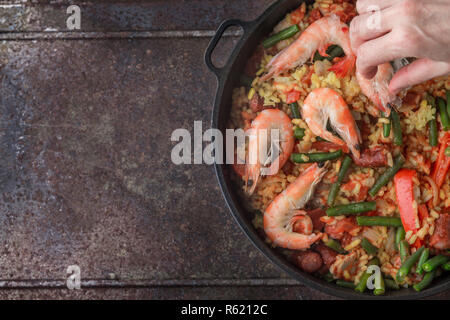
(417, 72)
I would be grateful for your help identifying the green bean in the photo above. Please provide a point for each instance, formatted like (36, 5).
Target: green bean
(352, 208)
(334, 190)
(386, 126)
(433, 139)
(404, 250)
(379, 284)
(333, 51)
(386, 129)
(391, 284)
(427, 279)
(294, 110)
(447, 94)
(315, 157)
(373, 261)
(398, 136)
(406, 267)
(447, 151)
(387, 175)
(335, 245)
(378, 221)
(432, 124)
(282, 35)
(344, 168)
(370, 248)
(435, 262)
(423, 258)
(345, 284)
(431, 100)
(443, 112)
(328, 277)
(399, 236)
(446, 266)
(362, 285)
(299, 133)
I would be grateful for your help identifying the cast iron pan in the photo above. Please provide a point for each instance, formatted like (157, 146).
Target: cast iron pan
(228, 77)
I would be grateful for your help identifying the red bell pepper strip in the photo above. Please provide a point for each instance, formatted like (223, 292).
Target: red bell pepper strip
(442, 163)
(423, 212)
(404, 190)
(292, 96)
(418, 243)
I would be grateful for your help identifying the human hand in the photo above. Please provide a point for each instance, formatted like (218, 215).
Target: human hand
(406, 28)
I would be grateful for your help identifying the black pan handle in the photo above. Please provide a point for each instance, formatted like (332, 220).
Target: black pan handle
(215, 40)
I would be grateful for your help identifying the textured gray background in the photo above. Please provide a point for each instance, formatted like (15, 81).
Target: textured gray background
(85, 170)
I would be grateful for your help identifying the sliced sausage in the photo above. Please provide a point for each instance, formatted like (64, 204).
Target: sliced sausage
(441, 236)
(323, 270)
(257, 103)
(412, 98)
(328, 255)
(371, 158)
(315, 216)
(309, 261)
(288, 167)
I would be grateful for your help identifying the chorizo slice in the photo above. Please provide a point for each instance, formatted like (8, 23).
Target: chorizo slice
(309, 261)
(315, 216)
(441, 236)
(371, 158)
(328, 255)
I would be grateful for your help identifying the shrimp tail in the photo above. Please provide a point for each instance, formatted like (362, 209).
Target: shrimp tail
(385, 104)
(344, 67)
(323, 50)
(252, 175)
(385, 109)
(252, 164)
(275, 66)
(377, 89)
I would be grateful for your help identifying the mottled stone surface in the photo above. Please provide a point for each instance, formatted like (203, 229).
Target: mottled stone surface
(86, 176)
(93, 183)
(160, 15)
(190, 293)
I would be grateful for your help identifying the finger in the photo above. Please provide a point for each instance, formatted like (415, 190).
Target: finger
(365, 6)
(370, 26)
(375, 52)
(417, 72)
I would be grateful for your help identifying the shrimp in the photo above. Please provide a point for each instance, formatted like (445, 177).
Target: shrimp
(318, 36)
(264, 128)
(282, 216)
(377, 88)
(323, 104)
